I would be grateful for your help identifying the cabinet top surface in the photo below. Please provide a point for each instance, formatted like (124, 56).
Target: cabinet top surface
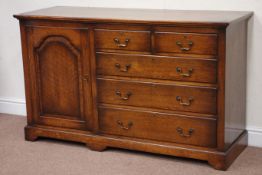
(91, 14)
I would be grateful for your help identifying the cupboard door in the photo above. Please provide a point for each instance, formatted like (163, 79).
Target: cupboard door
(59, 71)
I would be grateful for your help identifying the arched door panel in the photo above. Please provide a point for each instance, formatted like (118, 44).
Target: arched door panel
(58, 71)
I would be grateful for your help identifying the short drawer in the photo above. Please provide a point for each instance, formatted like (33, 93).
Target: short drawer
(156, 95)
(158, 126)
(191, 43)
(157, 67)
(122, 40)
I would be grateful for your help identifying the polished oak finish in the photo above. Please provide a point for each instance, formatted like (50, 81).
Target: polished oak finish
(160, 81)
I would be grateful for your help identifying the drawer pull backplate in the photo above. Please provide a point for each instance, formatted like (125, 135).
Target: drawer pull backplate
(119, 44)
(122, 126)
(182, 134)
(190, 44)
(125, 69)
(125, 97)
(180, 71)
(181, 102)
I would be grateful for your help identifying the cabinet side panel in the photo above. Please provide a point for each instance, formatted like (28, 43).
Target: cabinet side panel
(235, 95)
(24, 43)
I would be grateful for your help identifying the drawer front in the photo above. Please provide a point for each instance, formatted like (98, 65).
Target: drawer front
(158, 126)
(122, 40)
(169, 68)
(152, 95)
(192, 43)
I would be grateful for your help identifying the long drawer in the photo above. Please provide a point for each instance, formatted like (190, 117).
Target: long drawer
(155, 95)
(158, 126)
(159, 67)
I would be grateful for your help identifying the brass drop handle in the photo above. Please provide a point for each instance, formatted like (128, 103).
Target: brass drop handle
(180, 71)
(190, 44)
(125, 97)
(125, 69)
(122, 126)
(119, 44)
(188, 103)
(182, 134)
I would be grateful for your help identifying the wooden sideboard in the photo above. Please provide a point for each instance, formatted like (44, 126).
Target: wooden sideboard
(160, 81)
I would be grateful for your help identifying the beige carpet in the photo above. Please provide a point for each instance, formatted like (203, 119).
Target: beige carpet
(51, 157)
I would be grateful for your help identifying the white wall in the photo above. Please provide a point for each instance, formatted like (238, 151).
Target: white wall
(11, 71)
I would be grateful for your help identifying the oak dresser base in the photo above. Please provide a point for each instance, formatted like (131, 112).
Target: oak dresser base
(218, 160)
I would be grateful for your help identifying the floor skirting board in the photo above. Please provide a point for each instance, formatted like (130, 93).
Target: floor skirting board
(12, 106)
(18, 107)
(254, 136)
